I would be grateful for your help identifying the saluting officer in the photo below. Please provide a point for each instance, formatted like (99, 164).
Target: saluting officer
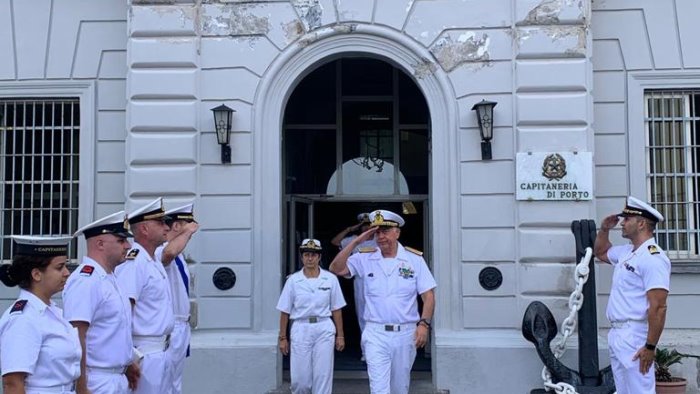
(182, 226)
(310, 298)
(143, 280)
(393, 276)
(94, 303)
(39, 350)
(637, 304)
(342, 239)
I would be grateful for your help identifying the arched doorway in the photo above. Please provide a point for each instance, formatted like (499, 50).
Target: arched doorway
(355, 137)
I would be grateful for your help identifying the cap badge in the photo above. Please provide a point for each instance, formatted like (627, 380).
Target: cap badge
(378, 219)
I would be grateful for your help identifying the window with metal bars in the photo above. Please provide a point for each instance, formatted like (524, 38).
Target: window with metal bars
(672, 122)
(39, 156)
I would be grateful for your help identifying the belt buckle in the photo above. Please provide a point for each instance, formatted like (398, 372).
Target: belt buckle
(313, 319)
(391, 327)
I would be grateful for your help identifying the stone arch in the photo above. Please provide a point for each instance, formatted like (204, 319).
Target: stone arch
(276, 86)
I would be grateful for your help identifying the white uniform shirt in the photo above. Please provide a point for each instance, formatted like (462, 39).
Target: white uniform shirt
(392, 285)
(304, 297)
(93, 296)
(181, 301)
(144, 279)
(38, 341)
(635, 273)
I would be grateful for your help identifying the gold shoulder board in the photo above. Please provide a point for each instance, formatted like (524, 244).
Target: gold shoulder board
(367, 249)
(653, 249)
(414, 251)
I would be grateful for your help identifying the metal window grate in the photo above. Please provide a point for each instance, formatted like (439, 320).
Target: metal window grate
(39, 156)
(672, 123)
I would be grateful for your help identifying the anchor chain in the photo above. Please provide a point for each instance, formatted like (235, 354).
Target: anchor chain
(568, 326)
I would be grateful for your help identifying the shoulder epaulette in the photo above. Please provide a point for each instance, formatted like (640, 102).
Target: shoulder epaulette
(132, 254)
(414, 251)
(87, 270)
(18, 306)
(653, 249)
(367, 249)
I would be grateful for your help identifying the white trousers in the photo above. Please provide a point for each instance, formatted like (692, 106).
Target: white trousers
(359, 296)
(623, 343)
(179, 341)
(311, 357)
(102, 382)
(390, 356)
(156, 373)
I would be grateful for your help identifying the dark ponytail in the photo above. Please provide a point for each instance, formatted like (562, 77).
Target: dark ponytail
(6, 277)
(19, 273)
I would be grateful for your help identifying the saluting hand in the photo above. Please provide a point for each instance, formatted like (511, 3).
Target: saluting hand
(366, 235)
(609, 222)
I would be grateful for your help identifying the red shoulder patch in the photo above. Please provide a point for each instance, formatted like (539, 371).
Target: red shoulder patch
(87, 270)
(18, 306)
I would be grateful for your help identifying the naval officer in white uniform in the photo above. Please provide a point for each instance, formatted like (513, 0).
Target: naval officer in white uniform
(39, 349)
(182, 226)
(310, 298)
(99, 309)
(637, 304)
(143, 280)
(393, 277)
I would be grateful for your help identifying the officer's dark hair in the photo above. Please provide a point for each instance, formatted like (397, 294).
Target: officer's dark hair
(19, 273)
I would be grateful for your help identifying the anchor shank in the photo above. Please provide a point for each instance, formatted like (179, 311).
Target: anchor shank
(585, 234)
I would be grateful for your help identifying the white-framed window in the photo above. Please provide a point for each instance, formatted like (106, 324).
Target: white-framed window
(672, 135)
(39, 168)
(46, 159)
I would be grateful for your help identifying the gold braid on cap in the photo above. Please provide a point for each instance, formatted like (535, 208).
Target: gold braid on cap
(310, 244)
(379, 221)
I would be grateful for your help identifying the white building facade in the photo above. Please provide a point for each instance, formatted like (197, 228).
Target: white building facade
(135, 82)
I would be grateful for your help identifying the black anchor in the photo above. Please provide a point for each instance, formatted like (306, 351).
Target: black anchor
(540, 328)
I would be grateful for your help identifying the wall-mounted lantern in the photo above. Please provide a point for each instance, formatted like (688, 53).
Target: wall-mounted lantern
(222, 121)
(484, 112)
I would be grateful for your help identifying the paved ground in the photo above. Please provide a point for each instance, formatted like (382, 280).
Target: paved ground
(357, 383)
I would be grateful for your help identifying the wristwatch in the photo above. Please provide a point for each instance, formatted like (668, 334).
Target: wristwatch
(424, 321)
(650, 346)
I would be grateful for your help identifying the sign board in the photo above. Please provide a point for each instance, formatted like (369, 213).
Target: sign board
(554, 176)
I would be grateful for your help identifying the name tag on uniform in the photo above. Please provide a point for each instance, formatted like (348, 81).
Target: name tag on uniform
(324, 288)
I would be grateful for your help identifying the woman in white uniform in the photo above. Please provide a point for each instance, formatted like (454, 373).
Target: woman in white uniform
(39, 350)
(311, 299)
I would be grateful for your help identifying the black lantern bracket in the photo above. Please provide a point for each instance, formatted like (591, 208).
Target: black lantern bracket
(484, 114)
(223, 116)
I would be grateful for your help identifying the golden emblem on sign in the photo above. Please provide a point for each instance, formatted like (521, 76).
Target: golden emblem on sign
(554, 167)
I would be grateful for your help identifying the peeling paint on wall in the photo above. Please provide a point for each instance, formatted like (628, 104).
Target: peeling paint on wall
(424, 68)
(548, 12)
(293, 30)
(562, 32)
(236, 20)
(339, 28)
(468, 48)
(153, 2)
(310, 12)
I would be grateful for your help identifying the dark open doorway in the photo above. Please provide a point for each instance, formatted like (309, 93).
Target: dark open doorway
(356, 138)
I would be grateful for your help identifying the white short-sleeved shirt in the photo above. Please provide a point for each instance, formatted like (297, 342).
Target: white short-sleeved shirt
(144, 279)
(304, 297)
(93, 296)
(392, 284)
(181, 301)
(35, 339)
(635, 273)
(370, 243)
